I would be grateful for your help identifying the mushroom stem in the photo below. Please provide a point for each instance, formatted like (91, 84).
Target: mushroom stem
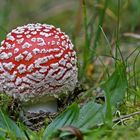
(45, 104)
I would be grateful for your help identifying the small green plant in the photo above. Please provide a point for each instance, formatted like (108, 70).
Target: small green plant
(4, 102)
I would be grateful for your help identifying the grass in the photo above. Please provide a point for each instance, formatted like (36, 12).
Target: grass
(108, 64)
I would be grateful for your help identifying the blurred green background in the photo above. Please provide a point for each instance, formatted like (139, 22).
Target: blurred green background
(68, 15)
(83, 23)
(60, 13)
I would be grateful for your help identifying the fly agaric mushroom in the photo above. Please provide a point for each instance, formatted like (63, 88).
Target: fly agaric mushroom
(37, 64)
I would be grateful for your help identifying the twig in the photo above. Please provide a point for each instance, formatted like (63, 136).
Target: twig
(125, 117)
(133, 35)
(121, 121)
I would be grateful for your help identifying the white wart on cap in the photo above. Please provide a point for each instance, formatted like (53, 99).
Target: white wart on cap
(36, 60)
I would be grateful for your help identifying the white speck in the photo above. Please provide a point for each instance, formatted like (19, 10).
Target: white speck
(18, 31)
(63, 43)
(30, 68)
(50, 57)
(58, 55)
(36, 51)
(13, 45)
(42, 33)
(63, 37)
(26, 45)
(69, 53)
(69, 65)
(56, 36)
(31, 77)
(66, 46)
(8, 46)
(23, 88)
(1, 67)
(38, 30)
(41, 41)
(55, 65)
(31, 28)
(8, 34)
(56, 49)
(58, 43)
(19, 41)
(25, 53)
(28, 57)
(43, 51)
(19, 36)
(21, 68)
(38, 75)
(50, 50)
(40, 61)
(46, 30)
(58, 29)
(9, 54)
(62, 62)
(37, 65)
(33, 39)
(2, 43)
(65, 77)
(27, 80)
(53, 42)
(43, 60)
(66, 56)
(38, 26)
(60, 73)
(28, 36)
(13, 76)
(18, 81)
(16, 50)
(42, 44)
(19, 57)
(9, 66)
(71, 46)
(46, 35)
(49, 74)
(34, 32)
(10, 37)
(9, 85)
(27, 32)
(73, 53)
(73, 60)
(43, 69)
(50, 34)
(4, 55)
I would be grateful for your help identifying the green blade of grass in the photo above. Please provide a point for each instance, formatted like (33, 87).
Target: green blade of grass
(115, 89)
(10, 129)
(68, 117)
(86, 50)
(98, 32)
(4, 18)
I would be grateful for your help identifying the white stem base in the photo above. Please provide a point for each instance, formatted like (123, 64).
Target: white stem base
(44, 104)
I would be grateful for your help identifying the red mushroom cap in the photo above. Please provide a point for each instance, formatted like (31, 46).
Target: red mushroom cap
(35, 60)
